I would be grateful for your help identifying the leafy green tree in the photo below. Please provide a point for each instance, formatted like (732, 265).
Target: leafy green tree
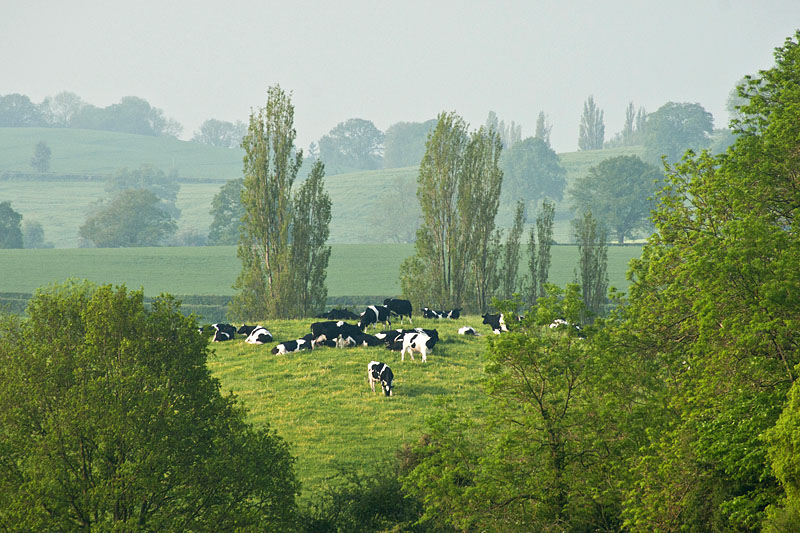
(592, 274)
(675, 128)
(134, 217)
(539, 256)
(592, 129)
(618, 191)
(458, 190)
(41, 157)
(404, 143)
(311, 217)
(227, 212)
(17, 111)
(150, 178)
(10, 227)
(278, 229)
(532, 171)
(220, 133)
(355, 144)
(33, 235)
(61, 108)
(131, 115)
(543, 128)
(111, 421)
(712, 304)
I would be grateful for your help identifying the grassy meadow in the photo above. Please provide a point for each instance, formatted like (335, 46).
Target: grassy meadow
(354, 269)
(321, 403)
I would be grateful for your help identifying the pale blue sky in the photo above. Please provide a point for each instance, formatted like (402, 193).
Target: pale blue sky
(392, 61)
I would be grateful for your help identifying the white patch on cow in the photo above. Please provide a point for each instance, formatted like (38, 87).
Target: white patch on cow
(415, 342)
(468, 330)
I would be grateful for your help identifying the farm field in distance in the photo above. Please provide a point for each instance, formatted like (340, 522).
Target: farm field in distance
(354, 269)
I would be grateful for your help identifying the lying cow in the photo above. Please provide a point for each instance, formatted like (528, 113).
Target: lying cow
(258, 335)
(333, 331)
(339, 314)
(224, 332)
(292, 347)
(361, 339)
(399, 307)
(427, 312)
(373, 315)
(468, 330)
(380, 372)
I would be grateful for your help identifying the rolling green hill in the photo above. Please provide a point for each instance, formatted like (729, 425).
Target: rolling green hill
(367, 206)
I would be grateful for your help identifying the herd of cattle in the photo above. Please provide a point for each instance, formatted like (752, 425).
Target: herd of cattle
(335, 332)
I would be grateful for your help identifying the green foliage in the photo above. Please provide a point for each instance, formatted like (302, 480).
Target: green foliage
(543, 128)
(592, 129)
(133, 217)
(675, 128)
(458, 190)
(532, 171)
(227, 210)
(404, 143)
(148, 178)
(619, 193)
(592, 271)
(17, 110)
(10, 227)
(111, 420)
(220, 133)
(355, 144)
(508, 274)
(33, 235)
(41, 157)
(540, 257)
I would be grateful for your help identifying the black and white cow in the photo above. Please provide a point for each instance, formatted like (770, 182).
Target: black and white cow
(399, 307)
(496, 322)
(468, 330)
(454, 313)
(258, 335)
(224, 332)
(373, 315)
(292, 346)
(332, 330)
(560, 323)
(427, 312)
(380, 372)
(415, 342)
(361, 339)
(394, 338)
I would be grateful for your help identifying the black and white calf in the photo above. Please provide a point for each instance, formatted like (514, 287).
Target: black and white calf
(399, 307)
(292, 346)
(373, 315)
(380, 372)
(257, 335)
(224, 332)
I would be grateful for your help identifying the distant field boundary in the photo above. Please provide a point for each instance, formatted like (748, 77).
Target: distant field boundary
(210, 308)
(14, 175)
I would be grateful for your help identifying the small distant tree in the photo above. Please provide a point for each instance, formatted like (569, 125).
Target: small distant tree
(227, 212)
(10, 227)
(404, 143)
(133, 218)
(593, 266)
(33, 235)
(509, 135)
(147, 177)
(41, 157)
(543, 128)
(539, 256)
(675, 128)
(355, 144)
(220, 133)
(532, 171)
(60, 109)
(592, 128)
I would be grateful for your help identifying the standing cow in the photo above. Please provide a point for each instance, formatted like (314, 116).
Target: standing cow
(399, 307)
(380, 372)
(374, 314)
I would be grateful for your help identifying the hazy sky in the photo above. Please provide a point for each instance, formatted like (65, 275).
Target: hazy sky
(393, 61)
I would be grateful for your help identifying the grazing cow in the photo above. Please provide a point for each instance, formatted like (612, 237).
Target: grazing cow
(467, 330)
(224, 332)
(394, 338)
(374, 314)
(415, 342)
(292, 346)
(380, 372)
(339, 314)
(399, 307)
(496, 322)
(333, 331)
(430, 313)
(258, 335)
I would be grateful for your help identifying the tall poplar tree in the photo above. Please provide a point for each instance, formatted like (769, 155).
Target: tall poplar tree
(510, 266)
(268, 281)
(592, 129)
(592, 272)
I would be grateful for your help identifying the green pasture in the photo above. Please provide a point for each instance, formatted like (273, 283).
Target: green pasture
(354, 269)
(321, 403)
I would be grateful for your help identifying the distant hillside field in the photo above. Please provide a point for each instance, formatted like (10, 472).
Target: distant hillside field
(366, 206)
(354, 270)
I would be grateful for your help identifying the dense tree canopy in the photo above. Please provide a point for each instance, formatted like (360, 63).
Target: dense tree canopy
(675, 128)
(355, 144)
(618, 191)
(227, 213)
(110, 420)
(10, 227)
(404, 143)
(133, 217)
(532, 171)
(220, 133)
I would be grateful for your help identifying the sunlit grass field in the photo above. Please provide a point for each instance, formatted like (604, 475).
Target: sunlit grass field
(354, 269)
(320, 402)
